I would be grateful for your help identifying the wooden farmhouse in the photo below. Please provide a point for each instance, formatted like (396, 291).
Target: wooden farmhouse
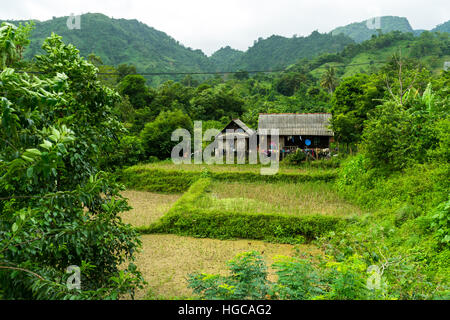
(235, 132)
(309, 132)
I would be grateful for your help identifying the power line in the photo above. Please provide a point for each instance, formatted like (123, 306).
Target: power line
(213, 72)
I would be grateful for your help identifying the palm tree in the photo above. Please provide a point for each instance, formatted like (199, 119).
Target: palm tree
(329, 79)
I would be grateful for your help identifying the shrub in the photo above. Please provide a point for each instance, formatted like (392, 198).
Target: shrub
(296, 158)
(346, 280)
(388, 138)
(248, 280)
(157, 135)
(298, 279)
(58, 209)
(441, 223)
(158, 180)
(421, 186)
(127, 152)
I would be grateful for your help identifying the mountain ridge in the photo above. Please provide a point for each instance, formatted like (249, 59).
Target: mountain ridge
(119, 41)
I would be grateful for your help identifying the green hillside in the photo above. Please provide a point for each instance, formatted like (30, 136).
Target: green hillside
(431, 49)
(226, 58)
(119, 41)
(277, 52)
(444, 27)
(359, 31)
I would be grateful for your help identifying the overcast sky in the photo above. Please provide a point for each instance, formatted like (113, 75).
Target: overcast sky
(211, 24)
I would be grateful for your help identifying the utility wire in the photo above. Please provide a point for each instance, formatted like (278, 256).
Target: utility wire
(212, 73)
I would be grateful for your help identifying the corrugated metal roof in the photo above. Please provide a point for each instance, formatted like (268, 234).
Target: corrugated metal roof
(233, 135)
(306, 124)
(244, 126)
(246, 131)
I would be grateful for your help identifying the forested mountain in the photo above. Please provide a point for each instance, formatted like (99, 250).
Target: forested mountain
(119, 41)
(444, 27)
(226, 58)
(277, 52)
(360, 31)
(430, 48)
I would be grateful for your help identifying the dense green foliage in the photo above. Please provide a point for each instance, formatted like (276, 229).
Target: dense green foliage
(226, 59)
(157, 135)
(57, 209)
(300, 89)
(119, 42)
(429, 49)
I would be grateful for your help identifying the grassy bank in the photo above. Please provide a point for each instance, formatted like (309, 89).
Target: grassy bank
(168, 178)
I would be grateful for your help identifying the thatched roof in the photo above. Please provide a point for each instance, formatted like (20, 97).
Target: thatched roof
(307, 124)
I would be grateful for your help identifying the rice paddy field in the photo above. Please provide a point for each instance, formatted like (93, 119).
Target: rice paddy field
(166, 260)
(283, 198)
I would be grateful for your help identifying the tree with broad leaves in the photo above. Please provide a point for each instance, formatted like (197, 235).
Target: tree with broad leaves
(57, 209)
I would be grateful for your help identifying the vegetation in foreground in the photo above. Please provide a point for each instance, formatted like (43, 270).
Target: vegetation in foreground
(57, 208)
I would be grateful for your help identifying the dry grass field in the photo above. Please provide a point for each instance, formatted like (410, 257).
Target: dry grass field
(285, 198)
(147, 207)
(166, 260)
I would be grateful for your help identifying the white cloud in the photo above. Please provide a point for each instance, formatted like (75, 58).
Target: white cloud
(211, 24)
